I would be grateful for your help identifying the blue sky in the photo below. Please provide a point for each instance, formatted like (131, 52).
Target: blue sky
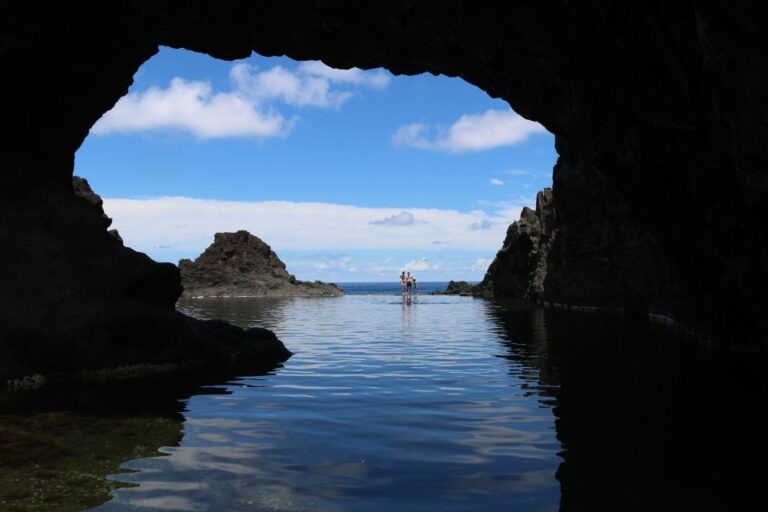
(349, 175)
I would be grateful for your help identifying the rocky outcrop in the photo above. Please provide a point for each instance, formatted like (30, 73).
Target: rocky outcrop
(520, 267)
(83, 190)
(582, 248)
(657, 109)
(80, 300)
(458, 288)
(242, 265)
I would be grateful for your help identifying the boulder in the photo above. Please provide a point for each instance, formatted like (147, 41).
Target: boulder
(242, 265)
(458, 288)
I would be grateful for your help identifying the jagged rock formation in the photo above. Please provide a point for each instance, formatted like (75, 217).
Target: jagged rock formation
(583, 250)
(242, 265)
(83, 190)
(520, 267)
(657, 109)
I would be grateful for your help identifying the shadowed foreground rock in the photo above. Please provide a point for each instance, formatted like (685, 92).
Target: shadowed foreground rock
(242, 265)
(127, 319)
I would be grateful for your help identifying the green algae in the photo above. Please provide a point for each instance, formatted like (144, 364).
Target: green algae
(60, 460)
(63, 438)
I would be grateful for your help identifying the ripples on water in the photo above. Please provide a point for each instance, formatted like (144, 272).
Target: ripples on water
(384, 404)
(448, 403)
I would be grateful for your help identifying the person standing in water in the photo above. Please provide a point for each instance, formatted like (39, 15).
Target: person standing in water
(408, 283)
(402, 282)
(415, 285)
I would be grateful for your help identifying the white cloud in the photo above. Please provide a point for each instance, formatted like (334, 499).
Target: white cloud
(376, 79)
(401, 219)
(472, 132)
(483, 224)
(191, 107)
(247, 110)
(378, 265)
(480, 265)
(516, 172)
(187, 225)
(279, 83)
(495, 181)
(324, 263)
(509, 208)
(411, 135)
(420, 265)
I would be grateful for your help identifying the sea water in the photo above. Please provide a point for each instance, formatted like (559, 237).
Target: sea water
(439, 403)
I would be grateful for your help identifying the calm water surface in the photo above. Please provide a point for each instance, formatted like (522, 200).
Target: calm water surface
(447, 403)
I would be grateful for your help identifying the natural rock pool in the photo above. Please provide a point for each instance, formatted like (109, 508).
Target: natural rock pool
(447, 404)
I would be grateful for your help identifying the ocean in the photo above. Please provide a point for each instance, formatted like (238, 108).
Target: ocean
(441, 403)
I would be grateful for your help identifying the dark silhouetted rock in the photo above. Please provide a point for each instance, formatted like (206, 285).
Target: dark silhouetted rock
(84, 191)
(242, 265)
(128, 315)
(583, 249)
(520, 266)
(458, 288)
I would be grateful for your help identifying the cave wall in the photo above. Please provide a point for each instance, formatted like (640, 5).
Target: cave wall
(582, 248)
(663, 101)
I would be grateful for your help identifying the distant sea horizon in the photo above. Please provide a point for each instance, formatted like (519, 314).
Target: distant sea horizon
(391, 287)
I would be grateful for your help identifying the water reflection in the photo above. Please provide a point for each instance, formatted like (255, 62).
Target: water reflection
(58, 444)
(269, 312)
(384, 404)
(647, 419)
(447, 404)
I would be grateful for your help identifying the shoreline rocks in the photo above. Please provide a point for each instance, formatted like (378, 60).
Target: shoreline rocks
(79, 300)
(458, 288)
(242, 265)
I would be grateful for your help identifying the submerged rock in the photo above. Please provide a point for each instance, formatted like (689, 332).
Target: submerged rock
(242, 265)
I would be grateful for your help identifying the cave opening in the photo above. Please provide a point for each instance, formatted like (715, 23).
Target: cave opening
(658, 114)
(655, 111)
(350, 175)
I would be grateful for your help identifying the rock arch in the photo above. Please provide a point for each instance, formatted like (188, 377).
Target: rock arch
(658, 110)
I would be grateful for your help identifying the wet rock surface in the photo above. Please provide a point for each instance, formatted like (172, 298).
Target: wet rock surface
(658, 112)
(241, 265)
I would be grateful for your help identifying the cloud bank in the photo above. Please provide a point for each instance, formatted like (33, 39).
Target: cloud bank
(420, 265)
(247, 110)
(472, 132)
(401, 219)
(187, 225)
